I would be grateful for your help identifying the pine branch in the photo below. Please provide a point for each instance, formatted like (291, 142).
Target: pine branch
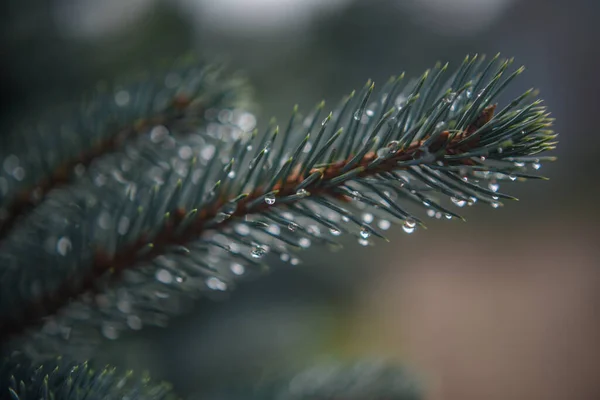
(411, 148)
(104, 124)
(58, 379)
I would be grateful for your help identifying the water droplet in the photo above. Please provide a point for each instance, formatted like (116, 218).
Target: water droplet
(18, 173)
(292, 226)
(295, 261)
(258, 251)
(367, 217)
(284, 257)
(458, 202)
(231, 174)
(270, 199)
(450, 97)
(357, 115)
(472, 200)
(431, 213)
(493, 186)
(536, 165)
(237, 268)
(124, 306)
(109, 331)
(495, 204)
(303, 193)
(123, 225)
(448, 216)
(63, 246)
(314, 230)
(519, 164)
(512, 177)
(335, 232)
(122, 98)
(208, 152)
(365, 232)
(363, 242)
(370, 113)
(164, 276)
(249, 147)
(185, 152)
(384, 224)
(215, 283)
(393, 146)
(104, 220)
(180, 278)
(304, 243)
(409, 225)
(134, 322)
(324, 122)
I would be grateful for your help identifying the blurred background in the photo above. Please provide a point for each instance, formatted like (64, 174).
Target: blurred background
(502, 307)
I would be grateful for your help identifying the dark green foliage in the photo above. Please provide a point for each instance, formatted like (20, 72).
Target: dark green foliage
(201, 200)
(61, 380)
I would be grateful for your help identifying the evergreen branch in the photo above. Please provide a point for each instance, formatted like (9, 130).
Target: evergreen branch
(101, 125)
(189, 235)
(58, 379)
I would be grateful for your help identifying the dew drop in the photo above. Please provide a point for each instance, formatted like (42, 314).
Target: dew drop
(258, 251)
(450, 97)
(431, 213)
(393, 146)
(384, 224)
(237, 268)
(519, 164)
(512, 177)
(302, 193)
(358, 115)
(284, 257)
(164, 276)
(185, 152)
(242, 229)
(304, 243)
(335, 232)
(295, 261)
(158, 133)
(370, 113)
(363, 242)
(409, 225)
(231, 174)
(63, 246)
(18, 173)
(458, 202)
(274, 229)
(314, 230)
(122, 98)
(109, 331)
(270, 199)
(292, 226)
(365, 232)
(208, 152)
(367, 217)
(134, 322)
(493, 186)
(536, 165)
(345, 218)
(495, 204)
(448, 216)
(472, 200)
(215, 283)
